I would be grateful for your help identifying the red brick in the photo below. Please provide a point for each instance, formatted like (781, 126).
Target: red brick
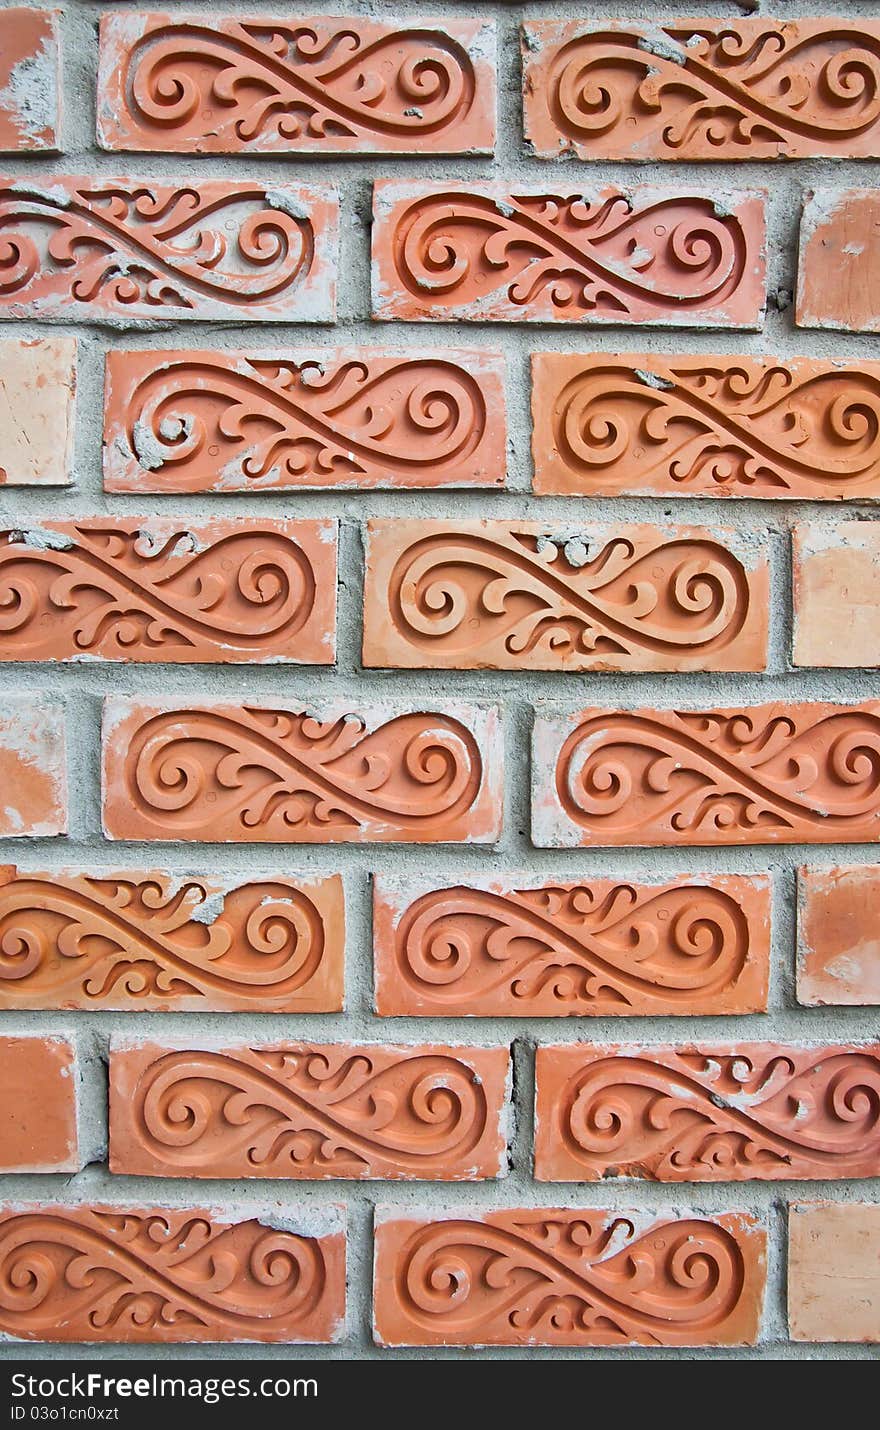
(836, 593)
(834, 1271)
(33, 767)
(757, 774)
(171, 589)
(36, 411)
(547, 1277)
(30, 80)
(839, 262)
(38, 1114)
(309, 1110)
(838, 943)
(232, 85)
(128, 939)
(707, 1113)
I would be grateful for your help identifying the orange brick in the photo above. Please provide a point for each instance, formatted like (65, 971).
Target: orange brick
(309, 1110)
(834, 1271)
(171, 589)
(30, 80)
(227, 85)
(756, 774)
(128, 1273)
(38, 1115)
(838, 945)
(641, 424)
(526, 595)
(127, 939)
(36, 410)
(547, 1277)
(836, 593)
(517, 947)
(487, 252)
(758, 89)
(839, 263)
(197, 421)
(119, 250)
(33, 767)
(232, 773)
(707, 1113)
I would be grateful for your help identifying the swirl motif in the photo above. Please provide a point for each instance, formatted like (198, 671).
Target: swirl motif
(732, 426)
(85, 941)
(111, 592)
(753, 90)
(733, 1114)
(771, 773)
(305, 1112)
(130, 1275)
(574, 1278)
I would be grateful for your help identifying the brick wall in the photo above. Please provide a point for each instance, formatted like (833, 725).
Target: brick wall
(490, 770)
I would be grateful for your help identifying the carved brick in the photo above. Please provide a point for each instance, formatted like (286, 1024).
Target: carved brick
(834, 1271)
(707, 1113)
(530, 596)
(30, 80)
(169, 589)
(38, 1105)
(257, 773)
(309, 1110)
(839, 262)
(36, 411)
(838, 947)
(487, 252)
(757, 774)
(331, 417)
(128, 939)
(33, 767)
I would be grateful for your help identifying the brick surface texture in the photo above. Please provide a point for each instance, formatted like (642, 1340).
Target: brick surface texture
(440, 649)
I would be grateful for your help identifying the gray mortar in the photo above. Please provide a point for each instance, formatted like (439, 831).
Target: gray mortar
(83, 685)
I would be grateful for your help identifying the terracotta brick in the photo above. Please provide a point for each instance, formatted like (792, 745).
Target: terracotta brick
(38, 1116)
(36, 410)
(836, 593)
(119, 251)
(547, 1277)
(516, 947)
(232, 773)
(757, 89)
(527, 595)
(33, 767)
(838, 943)
(834, 1271)
(641, 424)
(128, 939)
(707, 1113)
(487, 252)
(309, 1110)
(169, 589)
(785, 773)
(839, 264)
(233, 85)
(230, 421)
(125, 1273)
(30, 80)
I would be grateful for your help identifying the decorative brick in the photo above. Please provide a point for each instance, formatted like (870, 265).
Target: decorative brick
(38, 1118)
(757, 774)
(703, 89)
(170, 589)
(232, 85)
(839, 264)
(126, 1273)
(307, 1110)
(707, 1113)
(119, 251)
(33, 767)
(487, 252)
(515, 947)
(838, 944)
(130, 940)
(36, 410)
(527, 595)
(331, 417)
(644, 424)
(257, 773)
(834, 1271)
(30, 80)
(547, 1277)
(836, 591)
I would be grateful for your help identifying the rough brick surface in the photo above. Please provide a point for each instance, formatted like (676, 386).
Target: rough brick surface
(33, 767)
(834, 1271)
(38, 1105)
(836, 593)
(838, 264)
(838, 944)
(30, 80)
(36, 411)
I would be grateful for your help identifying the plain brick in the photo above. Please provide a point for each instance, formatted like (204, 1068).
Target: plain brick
(30, 81)
(33, 767)
(839, 261)
(836, 593)
(38, 1105)
(838, 941)
(834, 1271)
(37, 411)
